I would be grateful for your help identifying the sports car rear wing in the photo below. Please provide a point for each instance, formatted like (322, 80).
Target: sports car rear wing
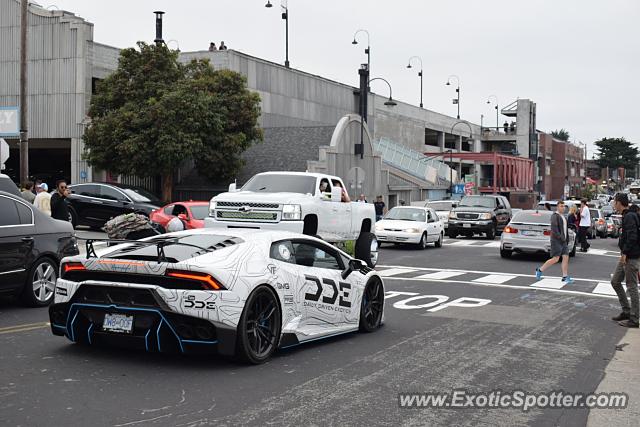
(159, 243)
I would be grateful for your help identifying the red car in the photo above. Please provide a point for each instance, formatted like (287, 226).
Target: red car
(192, 214)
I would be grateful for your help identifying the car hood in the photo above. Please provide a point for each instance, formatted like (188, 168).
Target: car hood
(255, 197)
(471, 209)
(399, 224)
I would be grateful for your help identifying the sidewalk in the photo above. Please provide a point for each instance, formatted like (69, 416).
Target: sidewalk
(621, 375)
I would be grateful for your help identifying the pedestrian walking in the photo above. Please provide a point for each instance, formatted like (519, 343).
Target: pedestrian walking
(380, 208)
(584, 225)
(559, 245)
(27, 192)
(59, 207)
(42, 202)
(627, 267)
(572, 218)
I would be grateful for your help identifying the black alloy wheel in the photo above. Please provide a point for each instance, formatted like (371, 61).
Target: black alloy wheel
(372, 306)
(259, 327)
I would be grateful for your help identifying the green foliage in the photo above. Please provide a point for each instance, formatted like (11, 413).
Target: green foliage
(153, 113)
(562, 134)
(617, 152)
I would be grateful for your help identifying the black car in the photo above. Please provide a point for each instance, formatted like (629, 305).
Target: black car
(95, 203)
(488, 214)
(9, 186)
(31, 247)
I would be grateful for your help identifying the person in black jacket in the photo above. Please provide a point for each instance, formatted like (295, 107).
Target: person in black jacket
(59, 207)
(627, 268)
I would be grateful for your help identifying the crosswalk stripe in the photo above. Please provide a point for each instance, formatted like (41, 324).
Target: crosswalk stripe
(548, 283)
(462, 243)
(495, 278)
(598, 251)
(439, 275)
(491, 245)
(395, 271)
(605, 288)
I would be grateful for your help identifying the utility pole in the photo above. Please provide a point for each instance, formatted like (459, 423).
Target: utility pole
(24, 141)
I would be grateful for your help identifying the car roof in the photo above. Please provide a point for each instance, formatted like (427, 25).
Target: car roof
(313, 174)
(189, 203)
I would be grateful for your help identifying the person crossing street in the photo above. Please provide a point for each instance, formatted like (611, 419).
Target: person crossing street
(559, 245)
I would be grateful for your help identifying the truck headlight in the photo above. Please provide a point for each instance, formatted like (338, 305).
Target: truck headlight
(452, 215)
(212, 207)
(485, 216)
(291, 213)
(379, 227)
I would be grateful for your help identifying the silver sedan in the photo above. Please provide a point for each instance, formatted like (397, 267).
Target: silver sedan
(529, 232)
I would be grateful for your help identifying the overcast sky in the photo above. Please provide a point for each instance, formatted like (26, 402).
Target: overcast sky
(577, 59)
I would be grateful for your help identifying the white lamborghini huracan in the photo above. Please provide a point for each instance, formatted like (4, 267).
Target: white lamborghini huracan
(235, 292)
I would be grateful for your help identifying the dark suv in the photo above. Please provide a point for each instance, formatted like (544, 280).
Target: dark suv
(479, 214)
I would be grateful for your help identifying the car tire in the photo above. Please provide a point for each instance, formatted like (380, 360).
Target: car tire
(439, 241)
(452, 234)
(367, 249)
(505, 253)
(73, 217)
(423, 241)
(260, 318)
(491, 234)
(371, 306)
(40, 285)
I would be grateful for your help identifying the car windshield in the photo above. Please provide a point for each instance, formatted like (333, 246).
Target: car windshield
(274, 183)
(200, 211)
(139, 195)
(477, 202)
(533, 217)
(406, 214)
(594, 213)
(440, 206)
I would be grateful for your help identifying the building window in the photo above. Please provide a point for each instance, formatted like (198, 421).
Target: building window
(430, 137)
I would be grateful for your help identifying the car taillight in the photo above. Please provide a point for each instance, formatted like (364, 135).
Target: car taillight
(511, 230)
(72, 266)
(205, 279)
(547, 232)
(601, 221)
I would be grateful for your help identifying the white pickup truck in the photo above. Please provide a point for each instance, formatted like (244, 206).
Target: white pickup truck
(307, 203)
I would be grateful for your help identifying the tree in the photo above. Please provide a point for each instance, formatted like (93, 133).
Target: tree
(616, 153)
(154, 113)
(562, 134)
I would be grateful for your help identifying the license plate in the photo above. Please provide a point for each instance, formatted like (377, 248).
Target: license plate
(530, 233)
(120, 323)
(466, 225)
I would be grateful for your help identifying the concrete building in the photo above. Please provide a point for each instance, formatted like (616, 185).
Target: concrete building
(300, 114)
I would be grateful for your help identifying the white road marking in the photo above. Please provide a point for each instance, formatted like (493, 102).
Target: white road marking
(550, 283)
(441, 275)
(395, 271)
(495, 278)
(491, 245)
(605, 288)
(462, 243)
(598, 251)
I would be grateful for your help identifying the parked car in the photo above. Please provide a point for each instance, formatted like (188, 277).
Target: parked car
(528, 232)
(8, 186)
(410, 224)
(443, 209)
(192, 214)
(488, 214)
(607, 210)
(95, 203)
(31, 247)
(309, 203)
(599, 227)
(613, 227)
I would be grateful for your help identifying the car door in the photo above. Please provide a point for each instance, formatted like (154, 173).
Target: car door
(114, 203)
(16, 242)
(433, 226)
(502, 213)
(327, 300)
(84, 199)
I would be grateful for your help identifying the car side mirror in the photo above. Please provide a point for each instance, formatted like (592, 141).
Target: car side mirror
(232, 187)
(354, 264)
(183, 217)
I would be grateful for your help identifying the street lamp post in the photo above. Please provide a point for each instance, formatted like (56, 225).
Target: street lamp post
(364, 93)
(457, 99)
(285, 16)
(367, 50)
(419, 75)
(496, 107)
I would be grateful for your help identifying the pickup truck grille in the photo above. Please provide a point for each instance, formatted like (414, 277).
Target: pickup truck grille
(463, 215)
(247, 216)
(250, 204)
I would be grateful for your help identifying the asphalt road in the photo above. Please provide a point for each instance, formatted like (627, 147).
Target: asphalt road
(517, 337)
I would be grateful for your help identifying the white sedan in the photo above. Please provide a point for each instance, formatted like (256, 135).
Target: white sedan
(410, 224)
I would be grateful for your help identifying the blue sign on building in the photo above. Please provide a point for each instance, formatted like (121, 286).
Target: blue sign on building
(458, 189)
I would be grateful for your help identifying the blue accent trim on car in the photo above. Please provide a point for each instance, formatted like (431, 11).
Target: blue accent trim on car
(58, 326)
(200, 342)
(72, 336)
(163, 319)
(319, 338)
(89, 332)
(146, 340)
